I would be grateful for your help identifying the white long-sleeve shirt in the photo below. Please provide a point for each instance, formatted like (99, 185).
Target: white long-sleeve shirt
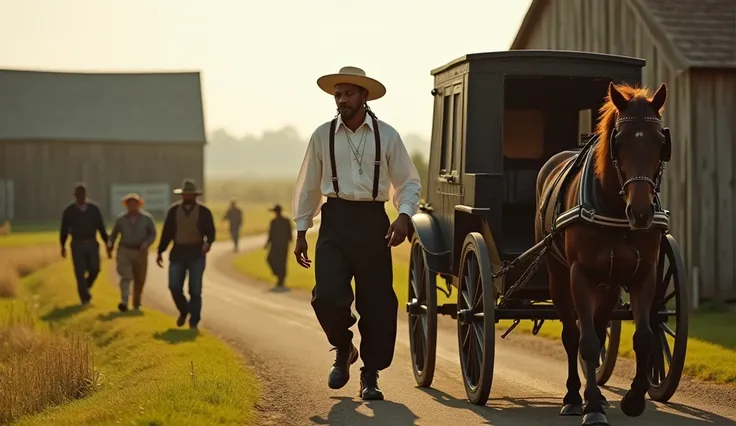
(399, 179)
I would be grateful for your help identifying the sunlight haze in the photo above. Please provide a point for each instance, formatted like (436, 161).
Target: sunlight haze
(260, 60)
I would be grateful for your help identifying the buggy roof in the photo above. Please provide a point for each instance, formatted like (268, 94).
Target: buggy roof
(535, 59)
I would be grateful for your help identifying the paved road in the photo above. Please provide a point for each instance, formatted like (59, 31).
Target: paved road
(280, 336)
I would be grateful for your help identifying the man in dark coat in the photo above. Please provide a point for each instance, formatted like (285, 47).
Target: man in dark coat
(234, 215)
(82, 219)
(279, 237)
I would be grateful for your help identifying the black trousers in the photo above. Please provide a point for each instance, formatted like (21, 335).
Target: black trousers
(352, 244)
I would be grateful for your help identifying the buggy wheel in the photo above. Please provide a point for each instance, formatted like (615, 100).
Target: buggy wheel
(609, 354)
(475, 321)
(422, 311)
(670, 346)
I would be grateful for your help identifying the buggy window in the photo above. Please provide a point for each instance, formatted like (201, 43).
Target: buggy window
(452, 119)
(523, 133)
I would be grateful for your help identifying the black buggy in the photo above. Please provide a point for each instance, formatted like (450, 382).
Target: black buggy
(498, 117)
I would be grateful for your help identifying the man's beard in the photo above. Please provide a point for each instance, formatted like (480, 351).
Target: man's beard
(348, 113)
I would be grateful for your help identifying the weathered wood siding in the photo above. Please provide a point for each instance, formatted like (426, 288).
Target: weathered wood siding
(714, 191)
(44, 173)
(612, 26)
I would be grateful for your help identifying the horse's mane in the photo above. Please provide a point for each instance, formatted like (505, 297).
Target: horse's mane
(607, 121)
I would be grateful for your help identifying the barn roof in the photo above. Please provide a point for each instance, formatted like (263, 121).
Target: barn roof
(110, 107)
(698, 33)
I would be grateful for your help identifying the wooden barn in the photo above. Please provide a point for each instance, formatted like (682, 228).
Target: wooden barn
(117, 132)
(691, 46)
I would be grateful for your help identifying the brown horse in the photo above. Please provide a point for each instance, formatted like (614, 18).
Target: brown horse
(603, 207)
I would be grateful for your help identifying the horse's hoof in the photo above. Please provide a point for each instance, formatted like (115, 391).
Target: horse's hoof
(572, 410)
(632, 404)
(595, 419)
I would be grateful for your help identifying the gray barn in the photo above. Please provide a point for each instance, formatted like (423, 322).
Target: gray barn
(691, 46)
(117, 132)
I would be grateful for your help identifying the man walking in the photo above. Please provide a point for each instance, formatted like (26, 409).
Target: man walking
(279, 238)
(355, 237)
(190, 226)
(235, 216)
(82, 219)
(137, 231)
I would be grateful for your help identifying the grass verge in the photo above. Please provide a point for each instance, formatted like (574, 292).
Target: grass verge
(150, 373)
(711, 347)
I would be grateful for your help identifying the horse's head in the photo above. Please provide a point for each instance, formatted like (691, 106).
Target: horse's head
(638, 148)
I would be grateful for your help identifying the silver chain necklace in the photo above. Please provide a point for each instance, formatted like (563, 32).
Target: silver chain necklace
(355, 149)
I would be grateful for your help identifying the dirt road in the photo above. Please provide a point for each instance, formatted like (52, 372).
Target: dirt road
(281, 338)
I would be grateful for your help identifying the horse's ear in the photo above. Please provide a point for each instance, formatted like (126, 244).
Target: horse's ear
(617, 98)
(659, 98)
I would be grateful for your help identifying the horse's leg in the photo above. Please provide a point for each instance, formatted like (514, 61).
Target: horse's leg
(559, 287)
(606, 300)
(582, 295)
(642, 296)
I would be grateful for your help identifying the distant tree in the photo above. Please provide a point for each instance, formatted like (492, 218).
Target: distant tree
(423, 168)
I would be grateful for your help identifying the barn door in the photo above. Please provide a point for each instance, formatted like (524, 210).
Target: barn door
(7, 201)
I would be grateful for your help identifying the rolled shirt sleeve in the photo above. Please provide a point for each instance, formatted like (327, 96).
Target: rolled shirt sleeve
(405, 181)
(307, 198)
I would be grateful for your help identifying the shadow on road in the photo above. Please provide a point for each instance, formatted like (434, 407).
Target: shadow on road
(279, 290)
(176, 335)
(385, 413)
(507, 411)
(63, 312)
(117, 314)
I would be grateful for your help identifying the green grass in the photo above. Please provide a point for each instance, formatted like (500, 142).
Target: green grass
(711, 347)
(151, 373)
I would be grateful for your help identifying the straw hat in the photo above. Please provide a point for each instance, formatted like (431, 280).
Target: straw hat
(133, 196)
(188, 187)
(352, 75)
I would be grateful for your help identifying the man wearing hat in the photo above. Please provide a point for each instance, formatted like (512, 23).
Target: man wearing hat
(356, 161)
(279, 238)
(137, 231)
(82, 219)
(189, 224)
(235, 216)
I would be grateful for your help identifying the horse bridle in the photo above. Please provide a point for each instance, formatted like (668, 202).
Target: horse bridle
(664, 156)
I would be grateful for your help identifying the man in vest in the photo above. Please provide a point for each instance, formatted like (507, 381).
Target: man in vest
(82, 219)
(354, 160)
(189, 224)
(137, 231)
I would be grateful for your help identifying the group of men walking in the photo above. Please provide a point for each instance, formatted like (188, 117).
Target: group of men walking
(189, 225)
(354, 241)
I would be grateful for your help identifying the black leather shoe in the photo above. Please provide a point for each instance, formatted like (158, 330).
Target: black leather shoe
(340, 372)
(369, 390)
(181, 320)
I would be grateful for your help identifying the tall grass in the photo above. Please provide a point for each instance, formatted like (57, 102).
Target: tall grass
(15, 263)
(40, 368)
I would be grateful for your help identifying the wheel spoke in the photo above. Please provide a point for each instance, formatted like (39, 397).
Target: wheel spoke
(665, 346)
(667, 330)
(669, 297)
(465, 299)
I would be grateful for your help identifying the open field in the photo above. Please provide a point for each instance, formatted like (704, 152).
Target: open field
(711, 347)
(145, 370)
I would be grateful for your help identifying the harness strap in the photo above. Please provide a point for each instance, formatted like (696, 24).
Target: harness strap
(335, 186)
(376, 162)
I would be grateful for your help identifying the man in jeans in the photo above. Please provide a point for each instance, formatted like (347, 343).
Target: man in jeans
(190, 226)
(82, 219)
(137, 232)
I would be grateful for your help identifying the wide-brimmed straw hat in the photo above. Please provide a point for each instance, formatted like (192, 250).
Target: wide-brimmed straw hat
(352, 75)
(133, 196)
(188, 187)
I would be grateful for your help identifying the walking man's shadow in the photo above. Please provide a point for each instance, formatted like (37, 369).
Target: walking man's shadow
(385, 413)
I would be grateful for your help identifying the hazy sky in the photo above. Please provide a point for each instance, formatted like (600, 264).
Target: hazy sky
(260, 59)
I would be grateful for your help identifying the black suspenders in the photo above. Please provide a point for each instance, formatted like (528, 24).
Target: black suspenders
(376, 163)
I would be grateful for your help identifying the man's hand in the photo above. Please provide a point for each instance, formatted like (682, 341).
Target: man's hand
(205, 248)
(300, 251)
(159, 260)
(63, 252)
(398, 230)
(144, 246)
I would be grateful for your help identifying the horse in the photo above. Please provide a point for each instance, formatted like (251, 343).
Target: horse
(600, 206)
